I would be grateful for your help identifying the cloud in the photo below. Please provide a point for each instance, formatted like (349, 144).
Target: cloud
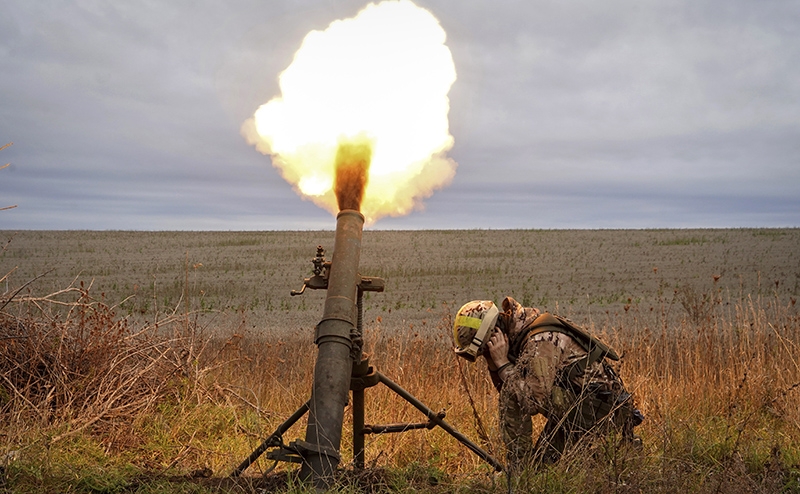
(617, 113)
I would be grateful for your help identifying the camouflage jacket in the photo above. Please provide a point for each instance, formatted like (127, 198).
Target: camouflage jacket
(541, 362)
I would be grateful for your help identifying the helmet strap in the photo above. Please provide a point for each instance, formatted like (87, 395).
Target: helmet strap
(487, 322)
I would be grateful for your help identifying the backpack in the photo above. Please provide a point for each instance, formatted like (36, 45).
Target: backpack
(581, 409)
(595, 349)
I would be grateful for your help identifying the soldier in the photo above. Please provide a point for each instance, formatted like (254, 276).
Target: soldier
(541, 363)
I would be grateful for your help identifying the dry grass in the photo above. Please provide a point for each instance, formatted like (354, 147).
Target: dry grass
(93, 401)
(719, 384)
(69, 364)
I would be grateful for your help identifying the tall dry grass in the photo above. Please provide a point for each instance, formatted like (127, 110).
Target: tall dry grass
(90, 403)
(719, 380)
(716, 374)
(68, 364)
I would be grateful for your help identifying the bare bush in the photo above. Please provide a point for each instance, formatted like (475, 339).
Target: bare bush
(68, 363)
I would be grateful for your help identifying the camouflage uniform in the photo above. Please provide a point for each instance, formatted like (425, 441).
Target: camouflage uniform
(543, 379)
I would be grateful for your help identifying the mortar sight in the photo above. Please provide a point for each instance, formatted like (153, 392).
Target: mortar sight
(320, 279)
(321, 270)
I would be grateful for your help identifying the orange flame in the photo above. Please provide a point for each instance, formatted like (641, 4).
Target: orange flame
(352, 166)
(376, 82)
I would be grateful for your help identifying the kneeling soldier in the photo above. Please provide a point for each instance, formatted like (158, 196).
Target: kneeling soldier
(541, 363)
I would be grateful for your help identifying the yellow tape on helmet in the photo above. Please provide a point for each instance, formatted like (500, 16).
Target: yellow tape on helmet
(470, 322)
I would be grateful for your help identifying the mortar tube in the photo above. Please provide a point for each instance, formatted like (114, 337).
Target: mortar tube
(332, 371)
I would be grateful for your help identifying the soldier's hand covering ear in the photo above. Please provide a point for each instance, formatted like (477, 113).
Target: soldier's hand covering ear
(498, 348)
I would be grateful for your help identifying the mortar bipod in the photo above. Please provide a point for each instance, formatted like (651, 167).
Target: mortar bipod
(365, 376)
(275, 440)
(362, 376)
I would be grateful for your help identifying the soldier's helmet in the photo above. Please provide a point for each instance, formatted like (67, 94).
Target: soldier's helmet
(473, 325)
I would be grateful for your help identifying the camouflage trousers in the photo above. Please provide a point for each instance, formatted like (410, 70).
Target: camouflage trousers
(570, 418)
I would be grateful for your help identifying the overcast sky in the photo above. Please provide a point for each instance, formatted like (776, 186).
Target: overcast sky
(579, 114)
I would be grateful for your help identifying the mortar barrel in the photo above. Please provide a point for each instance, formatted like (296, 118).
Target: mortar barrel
(333, 367)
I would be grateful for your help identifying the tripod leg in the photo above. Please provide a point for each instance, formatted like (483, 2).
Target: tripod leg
(358, 429)
(432, 416)
(269, 442)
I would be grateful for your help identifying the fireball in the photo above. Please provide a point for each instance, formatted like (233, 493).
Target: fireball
(368, 93)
